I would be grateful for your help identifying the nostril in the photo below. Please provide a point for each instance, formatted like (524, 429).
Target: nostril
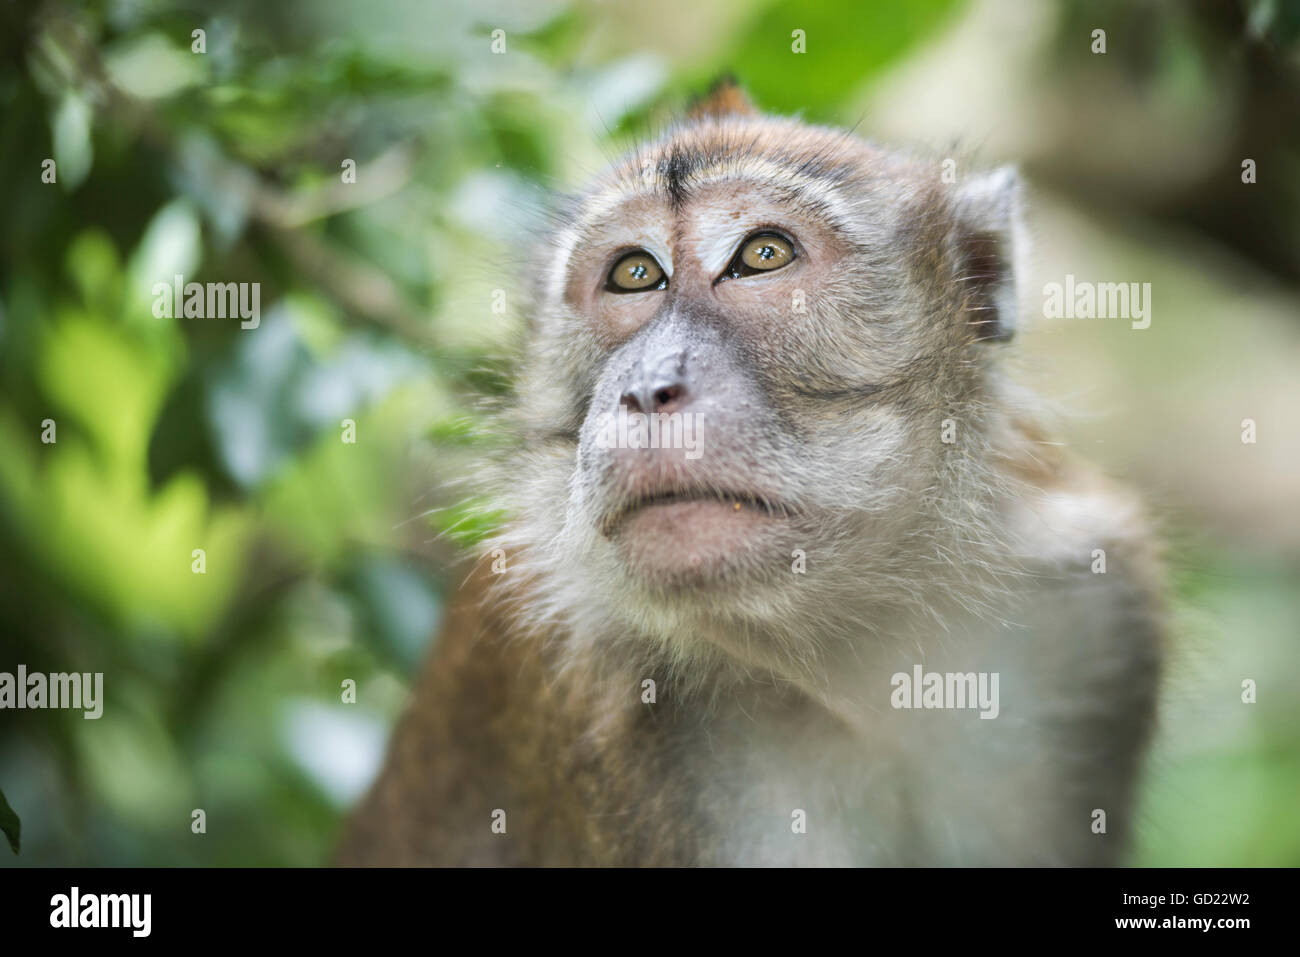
(667, 394)
(628, 401)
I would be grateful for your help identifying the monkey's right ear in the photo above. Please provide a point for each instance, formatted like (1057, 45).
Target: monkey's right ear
(990, 248)
(725, 98)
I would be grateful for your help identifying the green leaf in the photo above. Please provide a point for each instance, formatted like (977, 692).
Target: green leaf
(10, 824)
(846, 42)
(74, 153)
(470, 522)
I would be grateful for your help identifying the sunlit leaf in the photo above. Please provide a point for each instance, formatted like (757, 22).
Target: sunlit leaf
(74, 154)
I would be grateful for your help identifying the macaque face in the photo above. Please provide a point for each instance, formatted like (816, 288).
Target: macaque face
(752, 333)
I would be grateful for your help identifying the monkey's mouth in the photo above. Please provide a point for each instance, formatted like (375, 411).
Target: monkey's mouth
(747, 504)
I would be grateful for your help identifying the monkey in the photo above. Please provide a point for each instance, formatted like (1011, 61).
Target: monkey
(756, 653)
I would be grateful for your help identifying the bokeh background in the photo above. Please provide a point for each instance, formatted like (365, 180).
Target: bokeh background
(328, 561)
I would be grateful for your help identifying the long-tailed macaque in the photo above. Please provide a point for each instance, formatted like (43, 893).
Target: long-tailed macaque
(791, 574)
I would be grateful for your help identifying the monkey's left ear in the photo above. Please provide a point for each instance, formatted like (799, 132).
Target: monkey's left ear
(990, 247)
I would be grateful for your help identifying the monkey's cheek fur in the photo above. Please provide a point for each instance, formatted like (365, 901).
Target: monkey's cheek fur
(693, 543)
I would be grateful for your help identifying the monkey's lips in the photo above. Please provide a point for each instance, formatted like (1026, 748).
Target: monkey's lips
(684, 534)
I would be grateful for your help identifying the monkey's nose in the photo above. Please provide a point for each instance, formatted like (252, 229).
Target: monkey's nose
(656, 386)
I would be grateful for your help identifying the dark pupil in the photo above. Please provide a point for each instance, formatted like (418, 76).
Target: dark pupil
(766, 252)
(638, 271)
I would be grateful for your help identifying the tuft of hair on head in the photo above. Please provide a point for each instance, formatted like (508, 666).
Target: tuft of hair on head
(725, 98)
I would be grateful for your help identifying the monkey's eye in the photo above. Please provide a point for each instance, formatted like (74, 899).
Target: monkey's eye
(761, 252)
(636, 272)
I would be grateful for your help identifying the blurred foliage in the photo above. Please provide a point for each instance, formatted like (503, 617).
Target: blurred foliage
(10, 825)
(325, 561)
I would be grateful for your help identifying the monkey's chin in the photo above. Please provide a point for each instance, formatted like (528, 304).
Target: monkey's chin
(700, 542)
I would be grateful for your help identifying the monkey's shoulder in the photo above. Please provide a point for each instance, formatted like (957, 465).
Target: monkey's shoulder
(1065, 514)
(1087, 544)
(514, 753)
(452, 776)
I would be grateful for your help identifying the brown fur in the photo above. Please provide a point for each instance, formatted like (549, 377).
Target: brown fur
(586, 777)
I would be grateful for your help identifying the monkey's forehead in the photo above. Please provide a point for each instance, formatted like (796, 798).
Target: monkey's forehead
(783, 152)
